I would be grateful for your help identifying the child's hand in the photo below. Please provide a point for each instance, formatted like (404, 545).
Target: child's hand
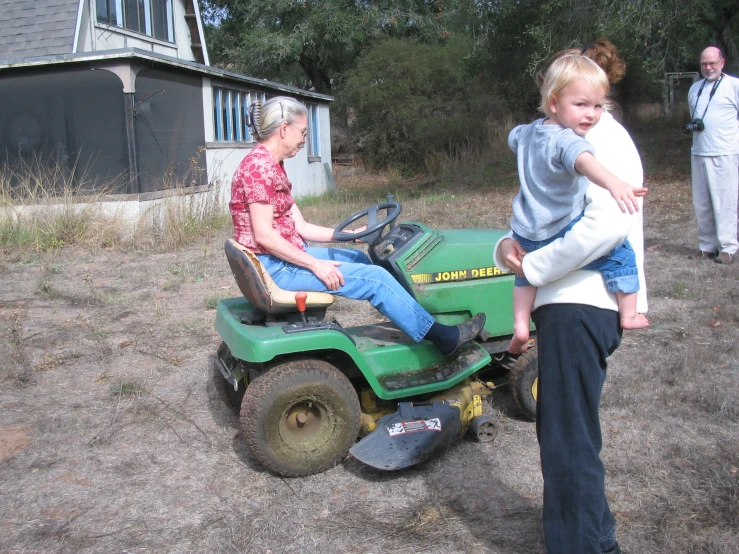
(513, 253)
(625, 195)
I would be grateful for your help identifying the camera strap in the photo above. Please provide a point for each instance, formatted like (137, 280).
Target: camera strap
(700, 90)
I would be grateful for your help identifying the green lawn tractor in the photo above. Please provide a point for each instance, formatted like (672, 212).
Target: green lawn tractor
(308, 388)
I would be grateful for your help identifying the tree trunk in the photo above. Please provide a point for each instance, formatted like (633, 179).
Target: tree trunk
(321, 82)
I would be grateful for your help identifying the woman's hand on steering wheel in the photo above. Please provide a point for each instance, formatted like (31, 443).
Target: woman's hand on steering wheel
(327, 272)
(358, 230)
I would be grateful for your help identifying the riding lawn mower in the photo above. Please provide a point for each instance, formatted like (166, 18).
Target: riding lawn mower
(307, 388)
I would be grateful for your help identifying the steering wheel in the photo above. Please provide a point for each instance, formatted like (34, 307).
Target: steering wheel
(374, 229)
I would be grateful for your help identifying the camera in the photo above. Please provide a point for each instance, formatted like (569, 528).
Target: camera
(693, 125)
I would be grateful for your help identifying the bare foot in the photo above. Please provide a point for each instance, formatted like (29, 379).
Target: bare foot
(639, 321)
(520, 341)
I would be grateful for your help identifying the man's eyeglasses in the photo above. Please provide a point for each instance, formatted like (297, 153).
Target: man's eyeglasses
(710, 64)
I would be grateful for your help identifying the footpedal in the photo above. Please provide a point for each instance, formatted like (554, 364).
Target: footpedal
(471, 354)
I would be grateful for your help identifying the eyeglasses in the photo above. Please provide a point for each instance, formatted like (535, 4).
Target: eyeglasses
(304, 132)
(710, 64)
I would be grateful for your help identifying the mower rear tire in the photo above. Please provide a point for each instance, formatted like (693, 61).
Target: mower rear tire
(524, 380)
(300, 417)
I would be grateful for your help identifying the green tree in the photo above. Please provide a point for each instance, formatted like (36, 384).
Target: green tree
(720, 19)
(311, 43)
(412, 99)
(300, 43)
(417, 73)
(653, 35)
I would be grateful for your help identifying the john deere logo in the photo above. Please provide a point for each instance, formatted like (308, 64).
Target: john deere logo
(459, 275)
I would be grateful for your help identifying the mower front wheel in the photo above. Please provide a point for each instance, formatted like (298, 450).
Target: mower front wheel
(524, 379)
(300, 417)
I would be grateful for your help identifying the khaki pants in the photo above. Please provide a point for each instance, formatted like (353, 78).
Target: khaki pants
(715, 186)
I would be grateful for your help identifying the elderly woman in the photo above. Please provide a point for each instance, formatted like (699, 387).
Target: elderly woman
(577, 326)
(268, 222)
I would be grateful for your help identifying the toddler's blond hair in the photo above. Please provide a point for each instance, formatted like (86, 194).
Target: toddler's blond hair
(566, 70)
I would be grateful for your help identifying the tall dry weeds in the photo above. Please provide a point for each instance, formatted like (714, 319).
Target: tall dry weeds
(45, 206)
(185, 213)
(493, 148)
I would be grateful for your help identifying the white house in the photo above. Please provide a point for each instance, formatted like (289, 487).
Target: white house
(123, 90)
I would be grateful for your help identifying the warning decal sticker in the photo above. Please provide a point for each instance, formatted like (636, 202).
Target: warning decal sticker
(404, 427)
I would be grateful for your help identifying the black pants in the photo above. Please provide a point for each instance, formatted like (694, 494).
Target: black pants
(574, 341)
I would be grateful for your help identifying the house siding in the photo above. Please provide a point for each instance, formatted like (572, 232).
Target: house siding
(106, 37)
(33, 28)
(37, 39)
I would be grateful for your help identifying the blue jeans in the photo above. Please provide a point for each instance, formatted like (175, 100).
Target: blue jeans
(362, 281)
(618, 266)
(573, 342)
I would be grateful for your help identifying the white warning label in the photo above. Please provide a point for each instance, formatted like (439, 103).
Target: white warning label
(404, 427)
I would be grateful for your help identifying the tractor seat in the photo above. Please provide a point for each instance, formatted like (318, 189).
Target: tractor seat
(259, 288)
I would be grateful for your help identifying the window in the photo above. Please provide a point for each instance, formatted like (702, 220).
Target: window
(313, 143)
(230, 110)
(148, 17)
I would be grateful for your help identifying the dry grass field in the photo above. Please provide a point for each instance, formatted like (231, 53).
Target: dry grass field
(114, 439)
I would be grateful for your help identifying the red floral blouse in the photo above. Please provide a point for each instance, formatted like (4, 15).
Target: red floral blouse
(259, 178)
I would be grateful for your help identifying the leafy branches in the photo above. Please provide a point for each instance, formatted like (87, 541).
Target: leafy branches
(372, 54)
(413, 99)
(311, 43)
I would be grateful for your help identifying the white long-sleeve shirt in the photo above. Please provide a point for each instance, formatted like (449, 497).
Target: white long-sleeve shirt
(602, 228)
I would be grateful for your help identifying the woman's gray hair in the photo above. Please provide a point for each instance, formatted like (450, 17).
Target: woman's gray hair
(265, 119)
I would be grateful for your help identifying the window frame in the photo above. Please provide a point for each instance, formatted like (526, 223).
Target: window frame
(313, 140)
(115, 18)
(230, 108)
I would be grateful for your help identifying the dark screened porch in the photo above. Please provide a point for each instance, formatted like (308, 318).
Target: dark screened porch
(78, 119)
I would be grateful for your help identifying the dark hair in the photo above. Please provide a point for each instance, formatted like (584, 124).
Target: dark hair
(602, 51)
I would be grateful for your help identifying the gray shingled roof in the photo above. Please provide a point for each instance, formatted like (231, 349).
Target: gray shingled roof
(151, 57)
(31, 28)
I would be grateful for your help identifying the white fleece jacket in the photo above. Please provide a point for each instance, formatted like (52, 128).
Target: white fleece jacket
(602, 228)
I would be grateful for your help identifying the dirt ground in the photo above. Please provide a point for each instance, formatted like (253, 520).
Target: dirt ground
(113, 438)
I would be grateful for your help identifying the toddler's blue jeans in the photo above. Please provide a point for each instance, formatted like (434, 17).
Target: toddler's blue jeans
(618, 266)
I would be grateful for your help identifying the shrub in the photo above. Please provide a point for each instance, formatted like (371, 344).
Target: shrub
(413, 99)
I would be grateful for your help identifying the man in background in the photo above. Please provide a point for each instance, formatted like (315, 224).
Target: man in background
(714, 112)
